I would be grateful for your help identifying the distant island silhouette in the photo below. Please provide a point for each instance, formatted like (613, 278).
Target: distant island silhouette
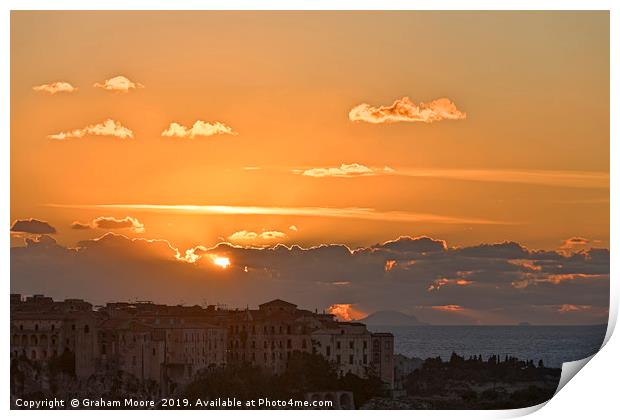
(393, 318)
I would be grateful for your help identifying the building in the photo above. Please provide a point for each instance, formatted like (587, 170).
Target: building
(383, 357)
(347, 345)
(170, 344)
(268, 336)
(42, 329)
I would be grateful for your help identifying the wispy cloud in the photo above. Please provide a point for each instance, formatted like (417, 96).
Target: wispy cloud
(118, 84)
(55, 87)
(405, 110)
(342, 213)
(109, 128)
(575, 179)
(343, 171)
(200, 128)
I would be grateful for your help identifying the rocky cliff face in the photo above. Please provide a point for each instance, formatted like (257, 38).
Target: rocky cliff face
(39, 381)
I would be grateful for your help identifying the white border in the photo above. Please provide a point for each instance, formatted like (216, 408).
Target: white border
(592, 395)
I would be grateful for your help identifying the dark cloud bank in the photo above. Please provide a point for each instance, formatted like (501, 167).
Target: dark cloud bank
(33, 226)
(501, 283)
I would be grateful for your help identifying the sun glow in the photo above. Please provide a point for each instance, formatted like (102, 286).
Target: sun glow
(223, 262)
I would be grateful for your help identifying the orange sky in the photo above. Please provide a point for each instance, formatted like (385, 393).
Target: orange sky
(529, 162)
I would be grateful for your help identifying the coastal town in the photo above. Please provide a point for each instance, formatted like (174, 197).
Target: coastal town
(168, 345)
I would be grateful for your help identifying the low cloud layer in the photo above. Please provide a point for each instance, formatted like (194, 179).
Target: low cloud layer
(199, 129)
(405, 110)
(108, 128)
(118, 84)
(33, 226)
(502, 283)
(55, 87)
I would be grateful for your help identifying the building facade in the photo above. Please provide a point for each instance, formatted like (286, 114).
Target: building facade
(170, 344)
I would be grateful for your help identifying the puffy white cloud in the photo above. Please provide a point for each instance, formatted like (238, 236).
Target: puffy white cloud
(405, 110)
(200, 128)
(118, 84)
(55, 87)
(109, 128)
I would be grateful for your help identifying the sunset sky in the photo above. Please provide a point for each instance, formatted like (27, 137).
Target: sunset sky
(352, 128)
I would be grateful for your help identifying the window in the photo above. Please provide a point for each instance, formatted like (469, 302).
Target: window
(86, 329)
(338, 359)
(365, 344)
(337, 345)
(289, 344)
(365, 359)
(328, 351)
(350, 359)
(350, 344)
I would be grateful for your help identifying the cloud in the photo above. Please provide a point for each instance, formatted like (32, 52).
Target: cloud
(577, 244)
(200, 128)
(55, 87)
(346, 312)
(343, 171)
(107, 128)
(293, 228)
(574, 179)
(33, 226)
(437, 283)
(331, 212)
(567, 307)
(247, 237)
(118, 84)
(571, 179)
(80, 226)
(449, 308)
(114, 223)
(405, 110)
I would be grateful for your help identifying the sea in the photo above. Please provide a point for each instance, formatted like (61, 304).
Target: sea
(553, 344)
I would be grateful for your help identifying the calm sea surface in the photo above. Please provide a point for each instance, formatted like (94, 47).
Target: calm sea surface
(553, 344)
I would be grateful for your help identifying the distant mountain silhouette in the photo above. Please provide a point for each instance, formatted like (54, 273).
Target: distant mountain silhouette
(391, 318)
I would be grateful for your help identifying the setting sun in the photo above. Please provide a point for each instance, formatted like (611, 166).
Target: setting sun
(223, 262)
